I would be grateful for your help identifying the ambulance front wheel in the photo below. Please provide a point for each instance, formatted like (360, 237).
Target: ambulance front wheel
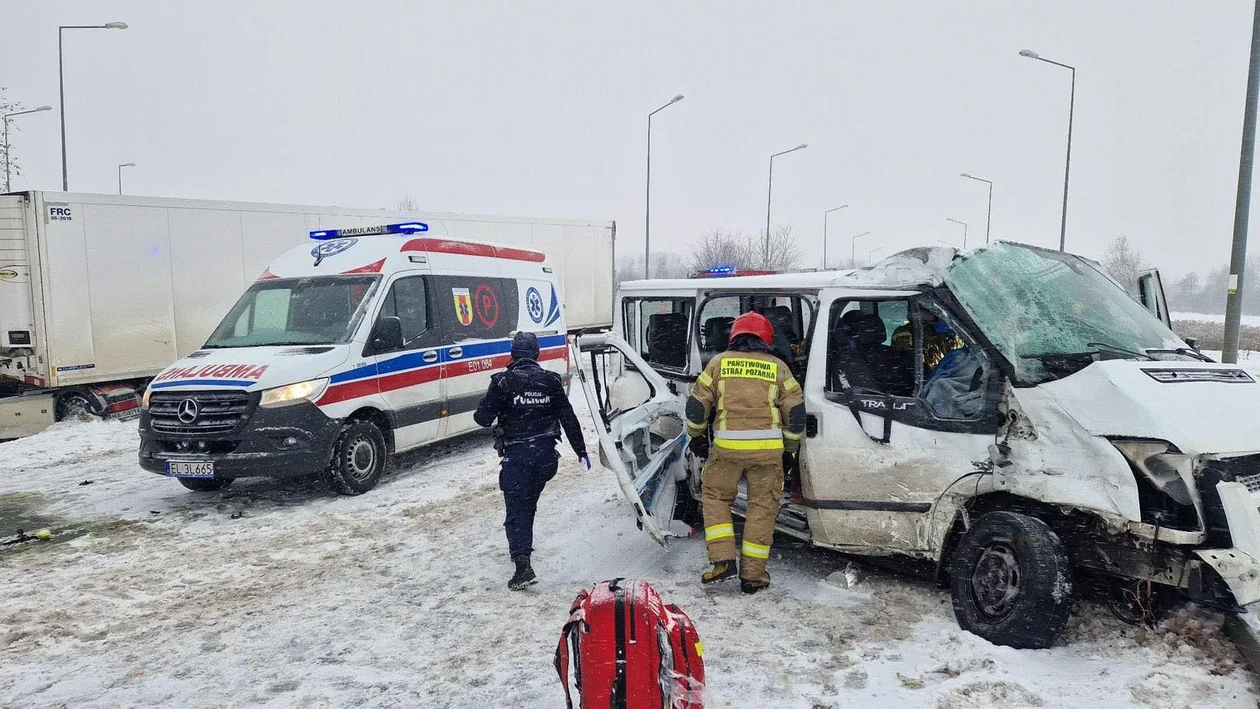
(358, 458)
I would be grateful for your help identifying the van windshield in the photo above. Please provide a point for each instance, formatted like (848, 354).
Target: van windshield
(323, 310)
(1051, 313)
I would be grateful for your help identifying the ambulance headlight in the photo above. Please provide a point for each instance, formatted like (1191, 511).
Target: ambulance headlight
(293, 393)
(144, 400)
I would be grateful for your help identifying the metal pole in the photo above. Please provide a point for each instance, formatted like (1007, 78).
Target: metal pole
(120, 179)
(7, 153)
(853, 246)
(1242, 207)
(769, 189)
(988, 217)
(829, 211)
(61, 103)
(647, 212)
(1067, 164)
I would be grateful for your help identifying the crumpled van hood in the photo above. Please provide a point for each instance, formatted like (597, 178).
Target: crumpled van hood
(251, 368)
(1199, 407)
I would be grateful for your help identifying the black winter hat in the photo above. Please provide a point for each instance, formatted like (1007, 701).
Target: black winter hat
(525, 346)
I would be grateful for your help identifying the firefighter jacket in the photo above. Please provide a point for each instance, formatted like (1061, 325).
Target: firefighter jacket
(755, 402)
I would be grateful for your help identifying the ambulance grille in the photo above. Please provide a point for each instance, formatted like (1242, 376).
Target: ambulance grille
(216, 411)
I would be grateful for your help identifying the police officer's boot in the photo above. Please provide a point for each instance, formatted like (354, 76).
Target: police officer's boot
(524, 575)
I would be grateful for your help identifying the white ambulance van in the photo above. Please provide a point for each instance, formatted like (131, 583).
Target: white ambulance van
(364, 343)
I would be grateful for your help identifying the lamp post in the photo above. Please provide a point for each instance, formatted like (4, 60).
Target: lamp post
(7, 149)
(120, 167)
(871, 254)
(770, 190)
(1242, 203)
(647, 211)
(964, 226)
(829, 211)
(853, 249)
(61, 86)
(988, 219)
(1067, 163)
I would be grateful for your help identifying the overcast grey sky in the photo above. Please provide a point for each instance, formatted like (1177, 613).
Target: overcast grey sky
(539, 109)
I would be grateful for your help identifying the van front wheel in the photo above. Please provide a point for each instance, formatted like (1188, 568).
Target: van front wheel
(1011, 581)
(358, 458)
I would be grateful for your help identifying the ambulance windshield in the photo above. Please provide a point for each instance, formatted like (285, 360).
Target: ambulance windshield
(323, 310)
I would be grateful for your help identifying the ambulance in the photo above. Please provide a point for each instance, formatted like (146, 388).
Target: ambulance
(363, 343)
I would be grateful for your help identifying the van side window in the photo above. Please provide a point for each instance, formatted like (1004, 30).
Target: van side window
(790, 315)
(408, 301)
(659, 329)
(907, 349)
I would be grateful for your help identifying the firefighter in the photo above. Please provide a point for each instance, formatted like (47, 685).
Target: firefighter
(530, 406)
(758, 420)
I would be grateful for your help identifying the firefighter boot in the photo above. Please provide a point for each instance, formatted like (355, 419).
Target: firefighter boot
(751, 587)
(721, 571)
(524, 575)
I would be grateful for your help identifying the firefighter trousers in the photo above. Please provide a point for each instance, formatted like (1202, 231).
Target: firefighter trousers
(719, 484)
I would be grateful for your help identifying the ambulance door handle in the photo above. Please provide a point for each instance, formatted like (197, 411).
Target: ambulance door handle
(431, 356)
(456, 352)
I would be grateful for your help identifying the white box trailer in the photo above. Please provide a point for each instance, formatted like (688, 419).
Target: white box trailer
(98, 293)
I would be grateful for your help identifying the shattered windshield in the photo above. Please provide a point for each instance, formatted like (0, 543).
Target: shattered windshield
(1051, 313)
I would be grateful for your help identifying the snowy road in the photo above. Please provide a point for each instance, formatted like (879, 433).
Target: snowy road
(284, 594)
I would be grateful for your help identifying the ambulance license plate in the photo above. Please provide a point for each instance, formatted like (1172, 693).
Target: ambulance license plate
(189, 469)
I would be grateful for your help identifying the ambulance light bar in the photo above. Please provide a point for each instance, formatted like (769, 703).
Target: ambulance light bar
(404, 228)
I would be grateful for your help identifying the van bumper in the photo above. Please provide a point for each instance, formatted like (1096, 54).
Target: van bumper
(283, 442)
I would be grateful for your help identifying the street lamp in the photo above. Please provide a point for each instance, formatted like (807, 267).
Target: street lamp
(769, 191)
(61, 86)
(1067, 163)
(853, 249)
(871, 254)
(120, 167)
(647, 212)
(964, 226)
(7, 149)
(988, 219)
(829, 211)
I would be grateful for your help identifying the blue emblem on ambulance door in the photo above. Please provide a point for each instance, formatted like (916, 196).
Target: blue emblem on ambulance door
(534, 304)
(553, 311)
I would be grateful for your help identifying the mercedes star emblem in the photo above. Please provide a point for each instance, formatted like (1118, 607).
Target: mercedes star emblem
(187, 411)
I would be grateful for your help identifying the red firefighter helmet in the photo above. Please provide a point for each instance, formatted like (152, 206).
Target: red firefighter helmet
(754, 324)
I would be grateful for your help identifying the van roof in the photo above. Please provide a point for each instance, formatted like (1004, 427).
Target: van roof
(908, 270)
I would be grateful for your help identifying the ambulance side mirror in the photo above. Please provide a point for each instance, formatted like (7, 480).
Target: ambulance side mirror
(387, 335)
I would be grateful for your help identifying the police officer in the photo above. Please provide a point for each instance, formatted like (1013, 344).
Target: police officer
(759, 418)
(530, 405)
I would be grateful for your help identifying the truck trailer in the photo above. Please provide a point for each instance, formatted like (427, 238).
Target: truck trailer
(99, 293)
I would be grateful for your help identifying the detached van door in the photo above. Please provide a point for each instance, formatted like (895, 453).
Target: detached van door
(902, 411)
(643, 444)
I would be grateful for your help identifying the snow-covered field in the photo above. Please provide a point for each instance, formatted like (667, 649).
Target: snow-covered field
(1253, 320)
(285, 594)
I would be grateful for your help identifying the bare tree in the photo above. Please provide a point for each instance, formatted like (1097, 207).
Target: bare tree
(630, 268)
(9, 163)
(719, 247)
(407, 203)
(785, 250)
(1123, 262)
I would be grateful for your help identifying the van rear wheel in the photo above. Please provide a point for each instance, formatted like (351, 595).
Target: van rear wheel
(1011, 581)
(358, 458)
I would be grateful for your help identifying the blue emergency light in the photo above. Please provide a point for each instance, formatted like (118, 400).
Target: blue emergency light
(721, 270)
(404, 228)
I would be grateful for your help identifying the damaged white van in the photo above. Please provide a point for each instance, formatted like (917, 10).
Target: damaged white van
(1010, 414)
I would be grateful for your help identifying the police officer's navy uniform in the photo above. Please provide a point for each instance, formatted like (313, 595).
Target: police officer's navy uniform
(530, 405)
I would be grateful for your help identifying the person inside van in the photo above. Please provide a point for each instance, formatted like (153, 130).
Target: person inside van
(955, 388)
(936, 342)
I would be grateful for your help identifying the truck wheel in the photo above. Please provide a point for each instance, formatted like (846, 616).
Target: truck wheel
(1011, 581)
(358, 458)
(77, 405)
(205, 484)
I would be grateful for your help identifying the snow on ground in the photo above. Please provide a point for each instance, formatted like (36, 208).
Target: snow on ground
(281, 593)
(1252, 320)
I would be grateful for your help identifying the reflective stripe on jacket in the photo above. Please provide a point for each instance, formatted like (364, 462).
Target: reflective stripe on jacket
(756, 403)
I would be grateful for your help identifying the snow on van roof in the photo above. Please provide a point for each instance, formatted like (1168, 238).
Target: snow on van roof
(905, 270)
